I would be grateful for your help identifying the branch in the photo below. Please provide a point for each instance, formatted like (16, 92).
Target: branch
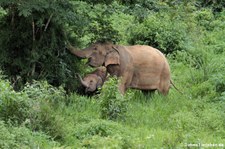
(33, 28)
(13, 15)
(49, 19)
(33, 48)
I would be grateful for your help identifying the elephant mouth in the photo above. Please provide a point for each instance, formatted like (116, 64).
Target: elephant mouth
(92, 64)
(89, 90)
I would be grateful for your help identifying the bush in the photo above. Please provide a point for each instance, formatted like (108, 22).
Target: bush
(113, 103)
(43, 91)
(21, 137)
(160, 32)
(33, 107)
(122, 23)
(205, 17)
(14, 106)
(46, 100)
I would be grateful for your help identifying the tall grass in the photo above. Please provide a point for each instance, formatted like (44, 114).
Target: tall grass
(147, 120)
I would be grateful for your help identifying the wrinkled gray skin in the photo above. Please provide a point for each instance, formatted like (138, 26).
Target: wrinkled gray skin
(140, 67)
(94, 80)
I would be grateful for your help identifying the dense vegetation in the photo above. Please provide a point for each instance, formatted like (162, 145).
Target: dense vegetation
(39, 105)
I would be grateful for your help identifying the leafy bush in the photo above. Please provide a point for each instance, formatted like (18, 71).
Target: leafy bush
(47, 99)
(217, 6)
(43, 91)
(113, 103)
(122, 23)
(100, 26)
(160, 32)
(21, 137)
(14, 106)
(34, 107)
(205, 17)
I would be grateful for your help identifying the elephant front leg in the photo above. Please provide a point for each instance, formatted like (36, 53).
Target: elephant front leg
(122, 88)
(125, 82)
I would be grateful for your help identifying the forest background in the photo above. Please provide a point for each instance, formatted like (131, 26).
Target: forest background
(39, 103)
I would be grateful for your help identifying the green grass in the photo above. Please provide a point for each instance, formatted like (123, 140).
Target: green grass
(147, 121)
(169, 122)
(153, 121)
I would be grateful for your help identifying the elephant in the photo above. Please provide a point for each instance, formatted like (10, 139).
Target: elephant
(94, 80)
(139, 66)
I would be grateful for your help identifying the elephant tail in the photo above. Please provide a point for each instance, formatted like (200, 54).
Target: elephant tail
(171, 82)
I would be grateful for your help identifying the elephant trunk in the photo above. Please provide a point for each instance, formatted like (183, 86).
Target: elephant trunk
(82, 81)
(80, 53)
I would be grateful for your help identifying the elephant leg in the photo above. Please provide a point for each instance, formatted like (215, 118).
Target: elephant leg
(125, 82)
(122, 88)
(164, 87)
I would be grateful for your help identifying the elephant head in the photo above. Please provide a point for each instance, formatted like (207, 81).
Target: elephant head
(98, 54)
(94, 80)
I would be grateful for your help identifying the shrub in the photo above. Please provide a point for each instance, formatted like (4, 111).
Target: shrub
(160, 32)
(122, 23)
(46, 100)
(43, 91)
(21, 137)
(34, 107)
(113, 104)
(14, 106)
(218, 80)
(204, 18)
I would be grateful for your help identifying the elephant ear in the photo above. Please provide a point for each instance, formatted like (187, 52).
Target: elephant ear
(112, 57)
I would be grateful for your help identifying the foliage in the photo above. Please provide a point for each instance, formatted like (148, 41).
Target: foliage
(100, 25)
(2, 12)
(101, 133)
(33, 107)
(43, 91)
(122, 23)
(96, 19)
(216, 5)
(14, 107)
(46, 99)
(159, 32)
(113, 104)
(21, 137)
(32, 42)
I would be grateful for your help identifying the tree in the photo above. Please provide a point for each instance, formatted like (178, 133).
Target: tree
(32, 41)
(216, 5)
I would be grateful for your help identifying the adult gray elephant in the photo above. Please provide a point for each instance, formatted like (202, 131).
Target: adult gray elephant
(139, 66)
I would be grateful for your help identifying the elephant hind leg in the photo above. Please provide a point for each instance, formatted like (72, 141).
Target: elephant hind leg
(164, 91)
(164, 87)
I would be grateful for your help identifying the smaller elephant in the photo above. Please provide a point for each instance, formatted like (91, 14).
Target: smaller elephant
(94, 80)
